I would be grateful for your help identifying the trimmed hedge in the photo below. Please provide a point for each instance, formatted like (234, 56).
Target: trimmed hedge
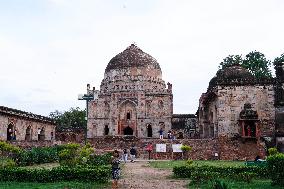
(95, 174)
(212, 172)
(276, 168)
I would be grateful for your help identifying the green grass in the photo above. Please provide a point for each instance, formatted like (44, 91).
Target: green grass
(171, 164)
(58, 185)
(255, 184)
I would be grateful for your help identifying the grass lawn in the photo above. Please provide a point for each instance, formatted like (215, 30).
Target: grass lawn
(255, 184)
(57, 185)
(173, 163)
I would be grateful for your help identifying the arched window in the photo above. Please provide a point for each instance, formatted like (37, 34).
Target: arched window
(10, 132)
(28, 136)
(128, 116)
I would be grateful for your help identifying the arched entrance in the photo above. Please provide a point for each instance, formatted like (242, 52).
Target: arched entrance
(149, 131)
(128, 131)
(41, 136)
(28, 136)
(106, 130)
(10, 131)
(249, 122)
(127, 118)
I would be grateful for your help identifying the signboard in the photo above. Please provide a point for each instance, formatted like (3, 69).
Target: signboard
(176, 147)
(161, 148)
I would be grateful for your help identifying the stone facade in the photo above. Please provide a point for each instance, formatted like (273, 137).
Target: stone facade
(23, 126)
(231, 93)
(184, 126)
(133, 98)
(279, 103)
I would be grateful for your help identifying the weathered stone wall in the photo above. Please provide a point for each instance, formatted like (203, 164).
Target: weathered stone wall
(185, 125)
(20, 126)
(231, 100)
(203, 149)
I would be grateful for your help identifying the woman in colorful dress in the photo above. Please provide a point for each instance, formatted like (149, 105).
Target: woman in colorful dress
(115, 169)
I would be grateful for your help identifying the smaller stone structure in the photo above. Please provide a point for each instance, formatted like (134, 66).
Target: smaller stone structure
(184, 126)
(17, 125)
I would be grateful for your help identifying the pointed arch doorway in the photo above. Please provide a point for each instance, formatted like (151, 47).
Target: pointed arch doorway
(127, 118)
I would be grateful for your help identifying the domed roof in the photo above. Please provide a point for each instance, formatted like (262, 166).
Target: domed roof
(234, 72)
(132, 56)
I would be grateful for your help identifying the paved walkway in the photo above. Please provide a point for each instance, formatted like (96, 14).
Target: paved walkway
(139, 175)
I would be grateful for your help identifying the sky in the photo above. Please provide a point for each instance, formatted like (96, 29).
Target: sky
(51, 49)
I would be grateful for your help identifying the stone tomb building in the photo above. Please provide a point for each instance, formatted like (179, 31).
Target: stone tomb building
(16, 125)
(238, 105)
(133, 98)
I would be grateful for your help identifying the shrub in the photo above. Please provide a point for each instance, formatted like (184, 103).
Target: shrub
(98, 174)
(7, 149)
(276, 167)
(185, 148)
(272, 151)
(217, 184)
(212, 172)
(37, 156)
(7, 163)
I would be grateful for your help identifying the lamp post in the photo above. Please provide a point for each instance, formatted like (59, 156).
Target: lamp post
(88, 97)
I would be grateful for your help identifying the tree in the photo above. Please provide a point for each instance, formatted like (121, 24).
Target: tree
(279, 59)
(230, 61)
(257, 64)
(72, 119)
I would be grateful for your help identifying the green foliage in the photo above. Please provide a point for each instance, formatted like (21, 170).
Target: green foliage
(276, 167)
(257, 64)
(185, 148)
(230, 61)
(279, 59)
(72, 119)
(189, 162)
(272, 151)
(97, 174)
(37, 155)
(7, 163)
(8, 149)
(206, 173)
(218, 184)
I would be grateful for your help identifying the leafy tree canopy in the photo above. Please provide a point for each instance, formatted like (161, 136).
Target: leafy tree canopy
(255, 62)
(230, 61)
(279, 59)
(72, 119)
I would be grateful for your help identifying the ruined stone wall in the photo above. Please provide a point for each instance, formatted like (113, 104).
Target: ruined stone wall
(231, 100)
(202, 149)
(21, 125)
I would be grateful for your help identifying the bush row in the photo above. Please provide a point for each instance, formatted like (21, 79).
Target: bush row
(37, 156)
(276, 168)
(97, 174)
(213, 172)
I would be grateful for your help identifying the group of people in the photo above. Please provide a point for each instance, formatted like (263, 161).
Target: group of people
(115, 161)
(171, 134)
(132, 152)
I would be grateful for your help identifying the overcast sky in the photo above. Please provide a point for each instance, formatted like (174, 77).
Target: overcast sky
(50, 49)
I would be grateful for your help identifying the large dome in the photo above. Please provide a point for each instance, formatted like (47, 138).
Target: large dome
(132, 56)
(234, 72)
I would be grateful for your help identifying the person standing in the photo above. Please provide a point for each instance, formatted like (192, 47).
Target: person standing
(125, 155)
(161, 133)
(132, 154)
(115, 169)
(149, 149)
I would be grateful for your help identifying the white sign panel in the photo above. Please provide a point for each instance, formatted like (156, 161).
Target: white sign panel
(161, 148)
(176, 147)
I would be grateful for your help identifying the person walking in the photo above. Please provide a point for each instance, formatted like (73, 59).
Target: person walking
(132, 154)
(115, 169)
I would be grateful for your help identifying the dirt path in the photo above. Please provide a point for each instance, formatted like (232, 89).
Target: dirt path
(140, 175)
